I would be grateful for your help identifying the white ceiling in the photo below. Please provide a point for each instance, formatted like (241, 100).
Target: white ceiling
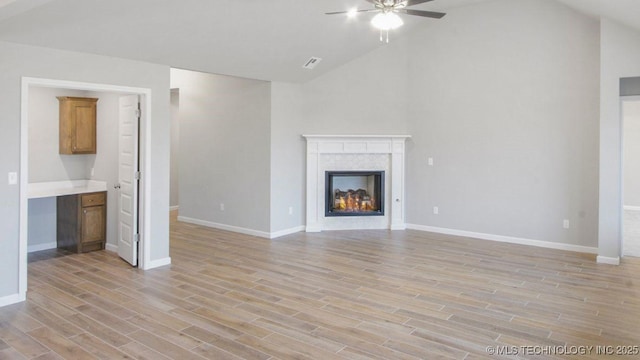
(260, 39)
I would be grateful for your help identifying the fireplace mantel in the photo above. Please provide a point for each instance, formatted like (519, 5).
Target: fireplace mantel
(340, 152)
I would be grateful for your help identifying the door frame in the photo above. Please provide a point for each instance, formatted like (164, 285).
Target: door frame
(144, 252)
(623, 99)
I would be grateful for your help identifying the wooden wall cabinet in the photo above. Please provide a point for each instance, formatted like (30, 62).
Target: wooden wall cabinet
(82, 221)
(77, 125)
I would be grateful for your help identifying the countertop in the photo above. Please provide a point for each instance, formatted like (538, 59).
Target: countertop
(69, 187)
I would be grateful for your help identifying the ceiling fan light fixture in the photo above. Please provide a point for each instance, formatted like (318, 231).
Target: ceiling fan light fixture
(387, 20)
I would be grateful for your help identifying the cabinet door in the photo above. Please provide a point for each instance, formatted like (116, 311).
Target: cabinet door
(93, 223)
(77, 125)
(84, 129)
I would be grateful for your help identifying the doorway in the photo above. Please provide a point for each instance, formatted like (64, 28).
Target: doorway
(117, 92)
(630, 109)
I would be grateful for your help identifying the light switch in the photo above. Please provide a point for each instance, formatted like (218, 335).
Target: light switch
(430, 161)
(13, 178)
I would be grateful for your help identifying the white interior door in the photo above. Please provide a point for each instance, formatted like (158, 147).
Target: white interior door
(128, 179)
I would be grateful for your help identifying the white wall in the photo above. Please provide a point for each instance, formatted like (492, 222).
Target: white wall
(619, 57)
(631, 152)
(506, 103)
(18, 61)
(174, 198)
(224, 149)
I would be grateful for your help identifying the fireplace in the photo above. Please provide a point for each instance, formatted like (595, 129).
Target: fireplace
(365, 157)
(354, 193)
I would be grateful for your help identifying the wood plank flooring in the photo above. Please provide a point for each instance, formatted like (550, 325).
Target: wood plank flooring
(331, 295)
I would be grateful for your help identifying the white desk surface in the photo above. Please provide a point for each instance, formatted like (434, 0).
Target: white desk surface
(69, 187)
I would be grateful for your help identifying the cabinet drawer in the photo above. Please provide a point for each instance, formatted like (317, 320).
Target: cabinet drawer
(93, 199)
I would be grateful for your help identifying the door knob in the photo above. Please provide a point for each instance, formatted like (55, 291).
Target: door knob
(116, 186)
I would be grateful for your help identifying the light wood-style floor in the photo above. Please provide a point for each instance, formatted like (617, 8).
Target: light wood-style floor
(332, 295)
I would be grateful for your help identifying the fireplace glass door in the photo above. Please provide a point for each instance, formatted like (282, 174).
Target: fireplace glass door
(354, 193)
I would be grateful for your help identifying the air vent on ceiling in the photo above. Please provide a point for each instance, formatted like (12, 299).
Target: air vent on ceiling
(312, 63)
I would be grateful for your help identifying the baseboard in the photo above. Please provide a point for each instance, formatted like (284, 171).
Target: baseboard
(172, 208)
(12, 299)
(111, 247)
(40, 247)
(285, 232)
(241, 230)
(608, 260)
(632, 208)
(506, 239)
(157, 263)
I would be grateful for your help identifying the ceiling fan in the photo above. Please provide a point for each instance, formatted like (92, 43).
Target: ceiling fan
(387, 17)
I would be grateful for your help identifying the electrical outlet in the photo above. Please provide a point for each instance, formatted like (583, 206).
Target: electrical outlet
(565, 224)
(221, 206)
(290, 210)
(436, 211)
(93, 172)
(430, 161)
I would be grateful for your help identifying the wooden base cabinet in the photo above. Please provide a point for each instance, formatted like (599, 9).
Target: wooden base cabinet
(82, 222)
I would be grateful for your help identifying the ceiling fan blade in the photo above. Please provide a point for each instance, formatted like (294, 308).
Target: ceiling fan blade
(416, 2)
(336, 13)
(429, 14)
(346, 12)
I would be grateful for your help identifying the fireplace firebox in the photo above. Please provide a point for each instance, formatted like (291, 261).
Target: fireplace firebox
(354, 193)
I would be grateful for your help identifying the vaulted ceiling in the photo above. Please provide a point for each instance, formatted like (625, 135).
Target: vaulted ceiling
(260, 39)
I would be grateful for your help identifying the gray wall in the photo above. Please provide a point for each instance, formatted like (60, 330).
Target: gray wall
(42, 224)
(631, 154)
(288, 156)
(45, 163)
(620, 58)
(224, 149)
(365, 96)
(630, 86)
(18, 61)
(510, 117)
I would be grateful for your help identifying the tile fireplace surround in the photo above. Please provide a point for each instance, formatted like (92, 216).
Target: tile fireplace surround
(362, 153)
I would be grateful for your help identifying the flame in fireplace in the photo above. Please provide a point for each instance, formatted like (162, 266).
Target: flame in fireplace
(354, 201)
